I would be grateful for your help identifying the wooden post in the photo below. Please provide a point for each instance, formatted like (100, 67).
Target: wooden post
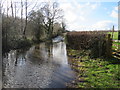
(118, 35)
(112, 32)
(108, 46)
(118, 20)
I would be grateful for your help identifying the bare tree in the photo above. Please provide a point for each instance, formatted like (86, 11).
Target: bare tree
(15, 10)
(12, 9)
(26, 17)
(25, 21)
(21, 16)
(7, 9)
(63, 26)
(36, 19)
(52, 14)
(0, 20)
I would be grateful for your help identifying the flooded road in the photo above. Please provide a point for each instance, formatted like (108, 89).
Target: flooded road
(42, 66)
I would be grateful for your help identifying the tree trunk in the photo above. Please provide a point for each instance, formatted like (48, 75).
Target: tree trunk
(24, 36)
(15, 10)
(12, 9)
(21, 16)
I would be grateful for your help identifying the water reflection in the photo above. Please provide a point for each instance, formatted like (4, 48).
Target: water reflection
(59, 51)
(42, 66)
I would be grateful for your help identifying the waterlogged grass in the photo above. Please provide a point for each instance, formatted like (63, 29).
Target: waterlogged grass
(94, 73)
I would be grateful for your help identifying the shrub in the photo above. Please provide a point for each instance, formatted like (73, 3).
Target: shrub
(97, 42)
(16, 44)
(22, 43)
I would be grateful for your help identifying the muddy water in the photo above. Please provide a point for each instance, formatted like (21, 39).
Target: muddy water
(42, 66)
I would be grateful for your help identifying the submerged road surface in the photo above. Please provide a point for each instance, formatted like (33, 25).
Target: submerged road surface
(42, 66)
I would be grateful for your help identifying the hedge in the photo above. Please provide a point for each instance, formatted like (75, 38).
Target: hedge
(98, 43)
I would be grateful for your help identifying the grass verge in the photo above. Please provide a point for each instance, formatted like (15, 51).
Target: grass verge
(94, 73)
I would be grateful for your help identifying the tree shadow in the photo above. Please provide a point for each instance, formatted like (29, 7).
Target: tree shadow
(113, 60)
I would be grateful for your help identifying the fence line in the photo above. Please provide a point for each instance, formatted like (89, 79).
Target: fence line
(116, 54)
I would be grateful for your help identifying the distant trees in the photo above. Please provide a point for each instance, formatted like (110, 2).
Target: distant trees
(45, 19)
(52, 14)
(37, 25)
(35, 19)
(63, 26)
(26, 16)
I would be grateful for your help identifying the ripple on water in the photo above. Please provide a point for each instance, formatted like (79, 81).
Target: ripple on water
(44, 69)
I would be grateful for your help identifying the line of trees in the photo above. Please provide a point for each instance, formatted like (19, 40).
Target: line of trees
(32, 25)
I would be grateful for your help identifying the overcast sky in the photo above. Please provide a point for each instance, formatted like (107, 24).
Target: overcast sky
(84, 15)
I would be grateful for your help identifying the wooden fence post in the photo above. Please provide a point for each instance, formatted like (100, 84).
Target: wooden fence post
(112, 32)
(108, 46)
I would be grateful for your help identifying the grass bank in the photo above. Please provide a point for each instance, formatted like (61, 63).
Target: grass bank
(94, 73)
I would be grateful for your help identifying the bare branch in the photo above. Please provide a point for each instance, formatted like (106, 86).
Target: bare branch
(12, 8)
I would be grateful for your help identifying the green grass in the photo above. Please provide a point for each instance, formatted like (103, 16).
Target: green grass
(97, 73)
(115, 35)
(29, 38)
(116, 45)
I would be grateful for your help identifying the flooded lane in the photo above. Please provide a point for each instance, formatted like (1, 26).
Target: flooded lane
(42, 66)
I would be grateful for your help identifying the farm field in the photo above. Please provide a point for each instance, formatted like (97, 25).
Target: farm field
(115, 45)
(115, 35)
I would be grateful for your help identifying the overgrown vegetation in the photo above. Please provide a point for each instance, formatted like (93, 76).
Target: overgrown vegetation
(35, 26)
(94, 73)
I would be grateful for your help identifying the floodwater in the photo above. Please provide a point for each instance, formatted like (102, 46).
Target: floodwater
(42, 66)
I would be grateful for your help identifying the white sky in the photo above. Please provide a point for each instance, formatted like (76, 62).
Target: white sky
(81, 14)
